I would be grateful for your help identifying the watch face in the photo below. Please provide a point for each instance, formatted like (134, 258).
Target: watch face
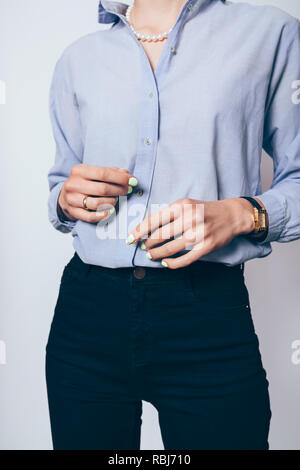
(262, 221)
(256, 220)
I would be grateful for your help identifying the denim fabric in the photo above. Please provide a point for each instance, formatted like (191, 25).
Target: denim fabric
(183, 340)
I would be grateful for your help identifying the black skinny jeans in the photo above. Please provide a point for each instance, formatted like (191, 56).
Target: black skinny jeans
(182, 340)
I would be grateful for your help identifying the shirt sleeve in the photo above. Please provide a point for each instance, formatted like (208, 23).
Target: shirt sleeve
(65, 120)
(281, 139)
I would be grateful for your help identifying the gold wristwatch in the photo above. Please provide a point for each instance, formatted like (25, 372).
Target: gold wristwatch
(261, 220)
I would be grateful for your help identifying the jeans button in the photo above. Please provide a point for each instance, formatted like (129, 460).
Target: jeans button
(139, 272)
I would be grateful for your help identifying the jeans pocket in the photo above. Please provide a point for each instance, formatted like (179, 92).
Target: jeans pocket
(227, 293)
(72, 272)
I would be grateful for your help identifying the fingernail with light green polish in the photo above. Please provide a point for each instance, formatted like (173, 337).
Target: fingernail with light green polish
(130, 239)
(133, 181)
(112, 210)
(143, 246)
(148, 255)
(164, 264)
(130, 189)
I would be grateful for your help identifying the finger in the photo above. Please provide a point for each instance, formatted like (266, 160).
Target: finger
(92, 203)
(162, 234)
(94, 188)
(153, 221)
(120, 169)
(197, 252)
(106, 174)
(168, 249)
(86, 216)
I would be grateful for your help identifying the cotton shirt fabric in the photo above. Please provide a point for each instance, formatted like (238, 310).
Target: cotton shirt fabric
(226, 86)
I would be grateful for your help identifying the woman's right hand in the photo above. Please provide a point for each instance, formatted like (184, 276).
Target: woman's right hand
(100, 185)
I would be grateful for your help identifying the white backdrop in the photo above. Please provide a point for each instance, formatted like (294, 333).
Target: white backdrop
(33, 34)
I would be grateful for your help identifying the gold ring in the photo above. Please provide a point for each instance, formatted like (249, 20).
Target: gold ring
(84, 202)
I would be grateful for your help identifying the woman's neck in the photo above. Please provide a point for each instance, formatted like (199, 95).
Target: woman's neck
(155, 15)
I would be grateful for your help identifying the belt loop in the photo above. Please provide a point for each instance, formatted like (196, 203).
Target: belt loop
(87, 270)
(82, 268)
(191, 269)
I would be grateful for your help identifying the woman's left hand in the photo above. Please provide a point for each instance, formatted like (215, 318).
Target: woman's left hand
(199, 226)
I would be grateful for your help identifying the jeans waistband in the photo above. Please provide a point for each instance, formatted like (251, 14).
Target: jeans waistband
(199, 269)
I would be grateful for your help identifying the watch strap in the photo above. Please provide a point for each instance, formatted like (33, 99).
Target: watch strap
(259, 234)
(253, 202)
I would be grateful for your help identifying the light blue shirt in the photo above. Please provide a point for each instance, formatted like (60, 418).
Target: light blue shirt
(226, 86)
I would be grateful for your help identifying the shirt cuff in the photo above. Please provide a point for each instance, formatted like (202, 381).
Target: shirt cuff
(277, 213)
(64, 226)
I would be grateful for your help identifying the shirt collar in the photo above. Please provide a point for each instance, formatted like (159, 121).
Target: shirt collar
(110, 10)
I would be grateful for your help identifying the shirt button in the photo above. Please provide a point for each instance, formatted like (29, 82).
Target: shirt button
(148, 141)
(172, 49)
(151, 95)
(140, 192)
(139, 272)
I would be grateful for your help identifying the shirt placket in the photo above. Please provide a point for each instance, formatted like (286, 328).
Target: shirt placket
(149, 126)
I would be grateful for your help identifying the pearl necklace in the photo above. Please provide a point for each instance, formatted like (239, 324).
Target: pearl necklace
(146, 37)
